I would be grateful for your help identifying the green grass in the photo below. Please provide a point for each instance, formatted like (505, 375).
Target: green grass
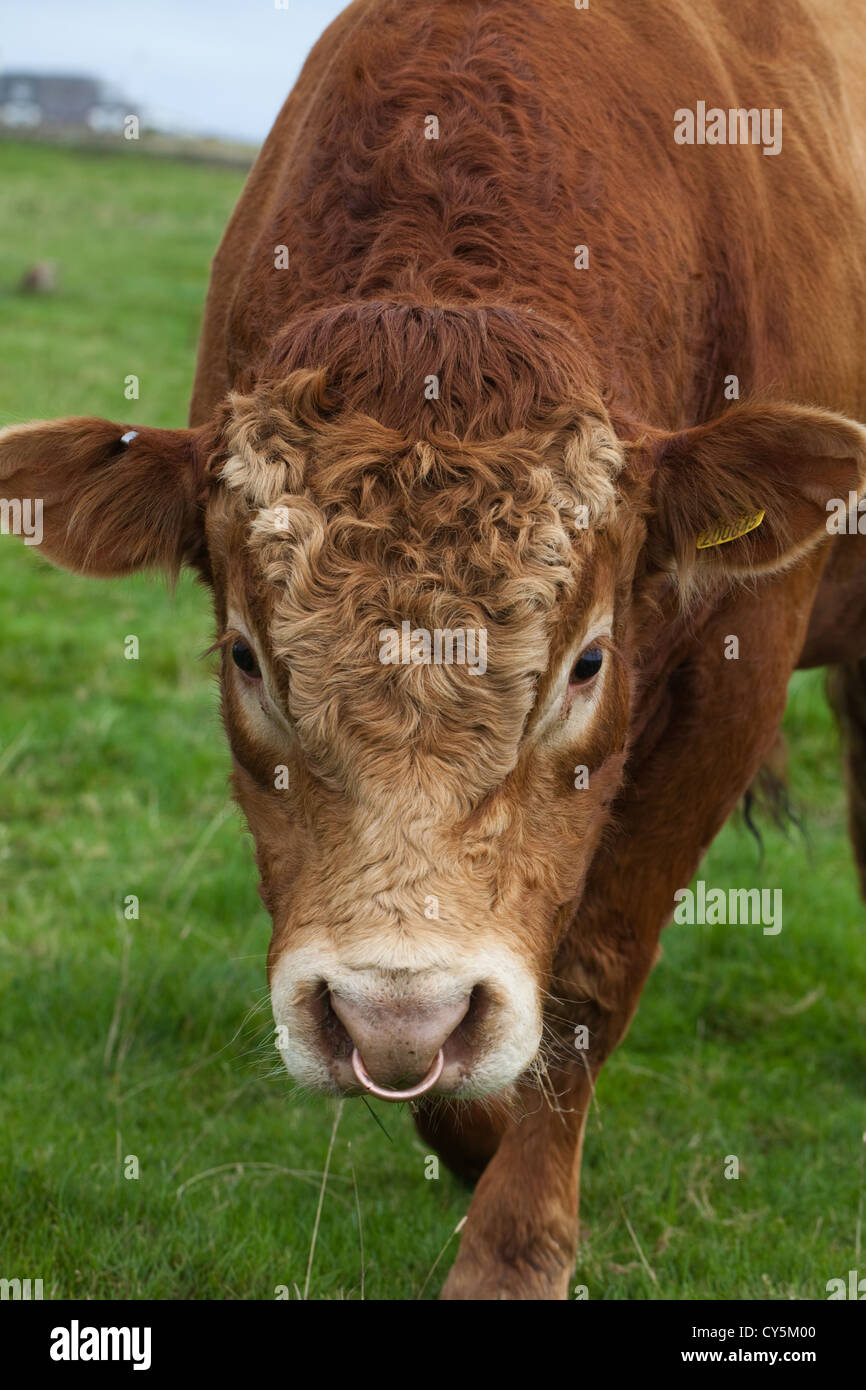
(153, 1038)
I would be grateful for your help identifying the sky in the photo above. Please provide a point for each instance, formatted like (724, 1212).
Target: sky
(214, 67)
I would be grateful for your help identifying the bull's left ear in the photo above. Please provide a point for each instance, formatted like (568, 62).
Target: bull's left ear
(104, 498)
(747, 493)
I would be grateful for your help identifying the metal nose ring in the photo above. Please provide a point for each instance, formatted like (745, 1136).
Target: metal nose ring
(369, 1084)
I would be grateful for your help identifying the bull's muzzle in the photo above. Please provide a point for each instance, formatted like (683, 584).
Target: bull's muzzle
(467, 1027)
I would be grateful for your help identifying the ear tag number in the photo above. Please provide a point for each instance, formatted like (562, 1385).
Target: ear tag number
(724, 531)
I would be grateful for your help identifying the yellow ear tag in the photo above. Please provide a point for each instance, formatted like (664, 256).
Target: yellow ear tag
(725, 531)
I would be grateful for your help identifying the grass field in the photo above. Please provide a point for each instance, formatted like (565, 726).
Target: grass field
(152, 1037)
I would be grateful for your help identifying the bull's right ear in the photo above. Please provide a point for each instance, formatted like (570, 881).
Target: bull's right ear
(106, 499)
(748, 493)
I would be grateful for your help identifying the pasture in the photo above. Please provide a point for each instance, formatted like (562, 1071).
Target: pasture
(151, 1037)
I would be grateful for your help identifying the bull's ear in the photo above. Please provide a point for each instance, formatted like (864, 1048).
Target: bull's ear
(750, 492)
(106, 499)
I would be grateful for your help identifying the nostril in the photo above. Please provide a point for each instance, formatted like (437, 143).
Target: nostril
(464, 1042)
(480, 1004)
(332, 1031)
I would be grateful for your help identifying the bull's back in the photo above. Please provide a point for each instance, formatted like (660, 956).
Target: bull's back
(556, 129)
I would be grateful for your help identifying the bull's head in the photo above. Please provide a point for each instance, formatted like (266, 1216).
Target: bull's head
(434, 566)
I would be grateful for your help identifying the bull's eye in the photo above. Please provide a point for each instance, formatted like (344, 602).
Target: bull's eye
(244, 658)
(587, 666)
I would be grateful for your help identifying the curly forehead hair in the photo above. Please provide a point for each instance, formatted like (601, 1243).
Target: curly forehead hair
(364, 381)
(363, 508)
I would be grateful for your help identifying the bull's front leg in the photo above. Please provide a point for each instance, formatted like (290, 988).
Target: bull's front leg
(520, 1238)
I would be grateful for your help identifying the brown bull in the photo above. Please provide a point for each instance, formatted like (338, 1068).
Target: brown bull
(508, 353)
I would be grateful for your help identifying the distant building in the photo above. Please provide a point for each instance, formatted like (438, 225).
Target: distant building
(33, 101)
